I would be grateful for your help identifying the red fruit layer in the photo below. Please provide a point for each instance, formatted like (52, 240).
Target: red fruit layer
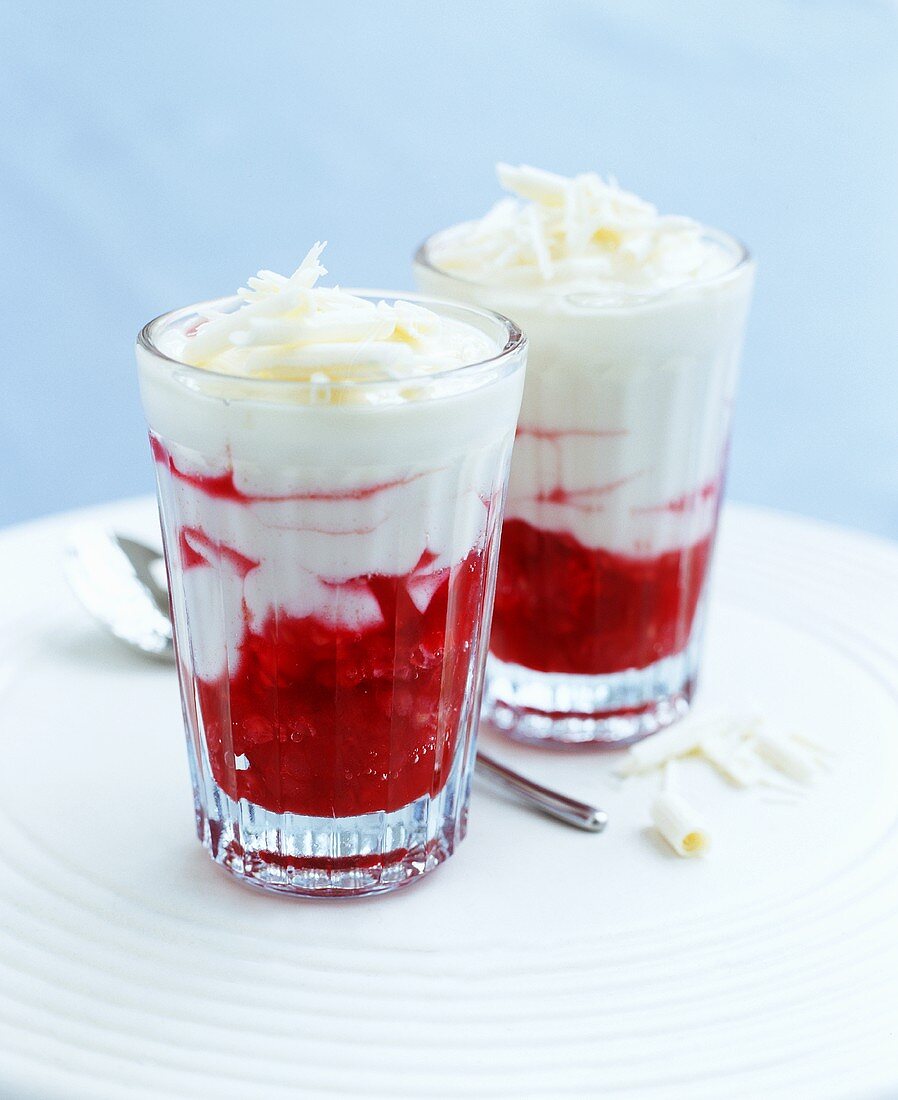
(336, 722)
(565, 607)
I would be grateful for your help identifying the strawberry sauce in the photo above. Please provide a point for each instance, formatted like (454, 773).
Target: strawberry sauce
(564, 607)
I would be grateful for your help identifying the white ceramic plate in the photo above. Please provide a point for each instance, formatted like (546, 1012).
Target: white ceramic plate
(539, 961)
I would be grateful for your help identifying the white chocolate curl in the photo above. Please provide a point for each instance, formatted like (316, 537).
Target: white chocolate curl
(679, 824)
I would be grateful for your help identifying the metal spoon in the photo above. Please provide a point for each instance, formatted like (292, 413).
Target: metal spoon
(121, 582)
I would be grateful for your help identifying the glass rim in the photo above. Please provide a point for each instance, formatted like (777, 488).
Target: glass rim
(741, 255)
(515, 342)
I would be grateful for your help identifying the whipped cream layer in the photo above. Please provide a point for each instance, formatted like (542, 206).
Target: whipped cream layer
(634, 325)
(280, 488)
(625, 424)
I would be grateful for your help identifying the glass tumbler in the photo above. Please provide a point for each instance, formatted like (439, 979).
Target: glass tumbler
(616, 482)
(331, 554)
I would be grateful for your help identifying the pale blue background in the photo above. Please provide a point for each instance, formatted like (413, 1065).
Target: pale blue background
(152, 154)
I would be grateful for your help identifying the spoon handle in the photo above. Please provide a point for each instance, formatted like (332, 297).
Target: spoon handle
(579, 814)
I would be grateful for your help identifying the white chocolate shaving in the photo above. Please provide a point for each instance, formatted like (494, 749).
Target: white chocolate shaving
(679, 824)
(816, 748)
(739, 764)
(786, 756)
(293, 329)
(545, 188)
(578, 233)
(669, 744)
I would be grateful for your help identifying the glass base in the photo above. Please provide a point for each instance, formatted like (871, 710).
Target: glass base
(331, 857)
(554, 708)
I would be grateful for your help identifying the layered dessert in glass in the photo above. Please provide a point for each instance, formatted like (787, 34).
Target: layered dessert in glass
(635, 323)
(331, 471)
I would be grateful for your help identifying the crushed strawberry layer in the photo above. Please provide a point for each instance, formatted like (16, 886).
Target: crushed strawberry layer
(565, 607)
(334, 722)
